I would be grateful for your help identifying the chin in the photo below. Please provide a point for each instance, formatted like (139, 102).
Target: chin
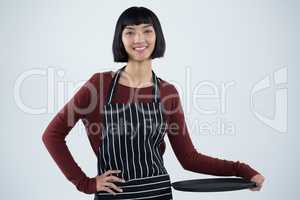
(141, 59)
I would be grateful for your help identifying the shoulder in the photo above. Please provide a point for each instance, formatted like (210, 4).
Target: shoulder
(100, 78)
(169, 96)
(166, 87)
(98, 75)
(96, 82)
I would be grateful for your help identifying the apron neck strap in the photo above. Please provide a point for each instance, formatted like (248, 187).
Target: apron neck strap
(155, 89)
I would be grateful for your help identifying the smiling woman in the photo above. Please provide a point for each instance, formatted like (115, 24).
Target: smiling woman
(138, 27)
(132, 120)
(139, 41)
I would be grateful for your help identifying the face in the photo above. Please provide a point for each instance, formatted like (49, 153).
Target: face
(139, 41)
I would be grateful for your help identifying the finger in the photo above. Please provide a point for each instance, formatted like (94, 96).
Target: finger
(114, 178)
(108, 190)
(259, 184)
(111, 185)
(111, 172)
(255, 189)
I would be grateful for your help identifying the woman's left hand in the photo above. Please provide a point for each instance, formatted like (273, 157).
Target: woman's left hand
(258, 179)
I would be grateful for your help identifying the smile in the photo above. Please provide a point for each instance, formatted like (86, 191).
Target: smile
(140, 49)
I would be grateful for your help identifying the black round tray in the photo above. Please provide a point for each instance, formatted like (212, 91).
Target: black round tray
(213, 185)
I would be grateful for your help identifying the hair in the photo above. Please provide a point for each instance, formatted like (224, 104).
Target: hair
(135, 16)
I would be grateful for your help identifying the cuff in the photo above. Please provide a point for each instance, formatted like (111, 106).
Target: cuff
(245, 171)
(87, 185)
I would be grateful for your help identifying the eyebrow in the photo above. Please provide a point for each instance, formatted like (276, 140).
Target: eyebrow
(145, 26)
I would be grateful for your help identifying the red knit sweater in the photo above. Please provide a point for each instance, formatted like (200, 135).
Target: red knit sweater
(87, 105)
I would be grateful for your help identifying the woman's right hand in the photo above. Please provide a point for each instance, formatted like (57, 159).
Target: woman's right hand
(104, 182)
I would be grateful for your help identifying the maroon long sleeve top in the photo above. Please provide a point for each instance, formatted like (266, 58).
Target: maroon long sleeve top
(86, 105)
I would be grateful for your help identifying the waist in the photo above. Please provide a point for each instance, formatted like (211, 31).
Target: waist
(158, 186)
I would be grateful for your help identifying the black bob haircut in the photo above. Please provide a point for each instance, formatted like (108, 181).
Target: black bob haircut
(135, 16)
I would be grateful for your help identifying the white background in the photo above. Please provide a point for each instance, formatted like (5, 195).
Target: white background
(214, 41)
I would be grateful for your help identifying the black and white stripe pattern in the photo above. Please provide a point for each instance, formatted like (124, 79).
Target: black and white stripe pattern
(133, 149)
(155, 187)
(130, 142)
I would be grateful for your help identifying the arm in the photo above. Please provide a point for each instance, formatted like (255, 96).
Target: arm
(188, 156)
(59, 127)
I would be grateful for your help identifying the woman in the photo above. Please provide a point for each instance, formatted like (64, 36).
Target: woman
(126, 115)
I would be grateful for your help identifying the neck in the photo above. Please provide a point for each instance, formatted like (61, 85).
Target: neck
(138, 73)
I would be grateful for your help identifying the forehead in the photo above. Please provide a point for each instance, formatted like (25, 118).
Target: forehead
(138, 26)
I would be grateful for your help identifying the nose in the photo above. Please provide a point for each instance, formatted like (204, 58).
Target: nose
(139, 37)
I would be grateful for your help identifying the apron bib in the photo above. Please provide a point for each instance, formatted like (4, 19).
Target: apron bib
(130, 141)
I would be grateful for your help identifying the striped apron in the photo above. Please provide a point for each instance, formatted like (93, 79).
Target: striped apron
(130, 141)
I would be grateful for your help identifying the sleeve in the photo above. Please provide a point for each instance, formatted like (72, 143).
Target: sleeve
(188, 156)
(59, 127)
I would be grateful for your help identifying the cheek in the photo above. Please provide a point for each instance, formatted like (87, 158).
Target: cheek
(152, 39)
(126, 43)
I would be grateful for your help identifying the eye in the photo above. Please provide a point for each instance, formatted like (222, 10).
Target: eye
(129, 33)
(148, 31)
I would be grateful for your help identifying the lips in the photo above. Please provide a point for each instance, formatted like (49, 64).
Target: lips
(140, 48)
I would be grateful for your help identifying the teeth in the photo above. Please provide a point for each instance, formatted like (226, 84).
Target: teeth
(139, 48)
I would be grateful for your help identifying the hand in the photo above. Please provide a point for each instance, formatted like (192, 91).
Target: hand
(104, 182)
(258, 179)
